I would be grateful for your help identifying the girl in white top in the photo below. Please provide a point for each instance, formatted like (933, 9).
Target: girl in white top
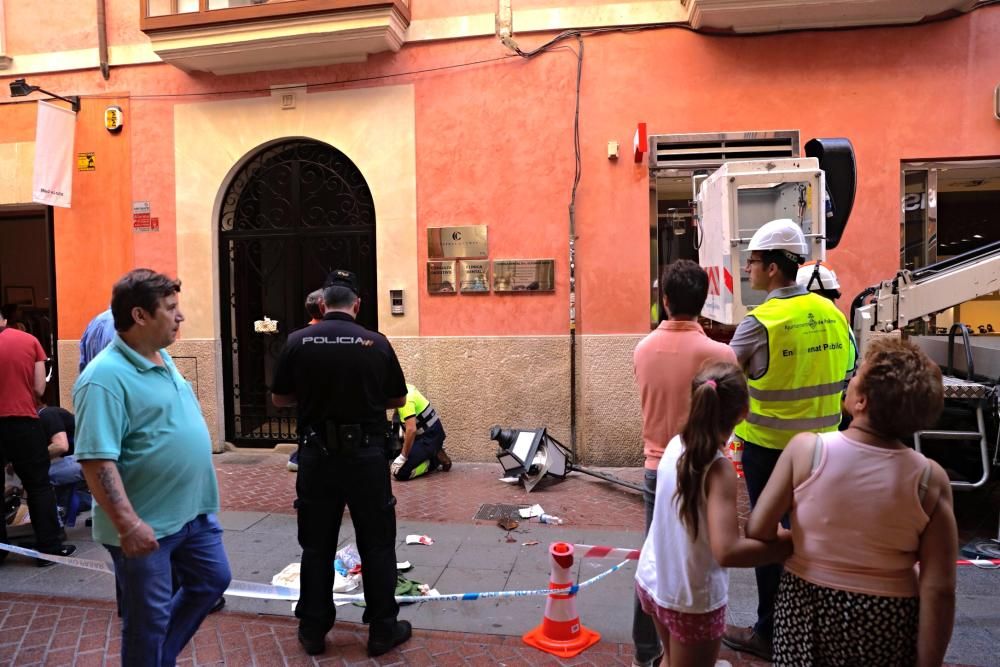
(680, 579)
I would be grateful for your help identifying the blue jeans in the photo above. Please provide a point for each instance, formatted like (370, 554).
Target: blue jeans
(157, 622)
(644, 637)
(66, 477)
(758, 464)
(65, 470)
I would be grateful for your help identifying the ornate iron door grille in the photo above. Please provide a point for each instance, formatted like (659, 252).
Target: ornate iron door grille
(295, 211)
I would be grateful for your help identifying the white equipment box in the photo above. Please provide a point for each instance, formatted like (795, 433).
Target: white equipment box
(734, 202)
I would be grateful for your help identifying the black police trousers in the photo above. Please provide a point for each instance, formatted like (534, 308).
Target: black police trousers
(323, 486)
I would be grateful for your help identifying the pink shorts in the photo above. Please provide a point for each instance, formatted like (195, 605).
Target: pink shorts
(685, 628)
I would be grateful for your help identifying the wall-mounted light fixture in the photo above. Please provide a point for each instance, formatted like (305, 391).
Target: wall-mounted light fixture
(531, 453)
(21, 88)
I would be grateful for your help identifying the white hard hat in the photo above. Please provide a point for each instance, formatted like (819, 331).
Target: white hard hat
(816, 276)
(781, 234)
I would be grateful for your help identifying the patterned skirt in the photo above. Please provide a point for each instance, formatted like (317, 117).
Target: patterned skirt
(826, 627)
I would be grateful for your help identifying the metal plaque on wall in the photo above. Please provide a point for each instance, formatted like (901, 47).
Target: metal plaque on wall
(454, 242)
(474, 276)
(441, 277)
(524, 275)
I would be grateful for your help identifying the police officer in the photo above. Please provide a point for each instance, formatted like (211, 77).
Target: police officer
(343, 378)
(797, 351)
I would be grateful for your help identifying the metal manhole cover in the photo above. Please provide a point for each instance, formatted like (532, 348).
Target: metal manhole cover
(496, 512)
(242, 459)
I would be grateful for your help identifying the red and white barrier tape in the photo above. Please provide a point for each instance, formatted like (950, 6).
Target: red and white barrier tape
(600, 551)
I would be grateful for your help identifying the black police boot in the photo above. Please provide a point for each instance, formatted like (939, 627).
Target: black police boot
(382, 640)
(312, 646)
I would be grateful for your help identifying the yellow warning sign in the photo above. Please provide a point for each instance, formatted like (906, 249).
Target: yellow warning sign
(85, 162)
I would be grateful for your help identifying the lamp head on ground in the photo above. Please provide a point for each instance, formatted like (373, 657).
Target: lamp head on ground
(21, 88)
(530, 454)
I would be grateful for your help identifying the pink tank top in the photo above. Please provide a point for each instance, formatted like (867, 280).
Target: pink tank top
(857, 519)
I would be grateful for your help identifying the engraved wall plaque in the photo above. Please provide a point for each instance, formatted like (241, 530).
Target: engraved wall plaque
(474, 276)
(524, 275)
(441, 277)
(455, 242)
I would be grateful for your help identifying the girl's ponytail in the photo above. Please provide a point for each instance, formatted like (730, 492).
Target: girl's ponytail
(719, 399)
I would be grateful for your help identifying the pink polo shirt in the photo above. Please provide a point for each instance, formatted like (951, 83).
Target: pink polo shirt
(665, 363)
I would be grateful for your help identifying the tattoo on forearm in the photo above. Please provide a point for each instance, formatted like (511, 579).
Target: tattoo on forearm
(110, 485)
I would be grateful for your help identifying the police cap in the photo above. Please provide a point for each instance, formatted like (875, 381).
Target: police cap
(342, 278)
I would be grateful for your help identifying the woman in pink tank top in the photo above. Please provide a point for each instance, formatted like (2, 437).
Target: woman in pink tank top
(865, 509)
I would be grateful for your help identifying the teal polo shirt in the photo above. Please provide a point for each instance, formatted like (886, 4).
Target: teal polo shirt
(146, 418)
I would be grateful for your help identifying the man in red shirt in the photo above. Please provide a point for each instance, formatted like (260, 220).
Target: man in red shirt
(665, 363)
(22, 440)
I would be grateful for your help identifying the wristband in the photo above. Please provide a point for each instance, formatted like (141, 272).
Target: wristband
(135, 526)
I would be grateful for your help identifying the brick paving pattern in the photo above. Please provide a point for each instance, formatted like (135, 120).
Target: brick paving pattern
(260, 483)
(55, 632)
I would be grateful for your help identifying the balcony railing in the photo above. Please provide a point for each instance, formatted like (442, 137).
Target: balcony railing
(160, 15)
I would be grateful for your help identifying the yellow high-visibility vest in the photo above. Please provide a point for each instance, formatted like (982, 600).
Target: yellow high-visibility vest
(809, 352)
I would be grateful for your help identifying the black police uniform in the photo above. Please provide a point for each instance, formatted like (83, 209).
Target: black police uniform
(342, 376)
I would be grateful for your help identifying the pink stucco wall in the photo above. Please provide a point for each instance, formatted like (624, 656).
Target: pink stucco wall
(494, 146)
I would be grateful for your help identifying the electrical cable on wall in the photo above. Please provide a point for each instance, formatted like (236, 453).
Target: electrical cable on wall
(509, 42)
(506, 37)
(983, 4)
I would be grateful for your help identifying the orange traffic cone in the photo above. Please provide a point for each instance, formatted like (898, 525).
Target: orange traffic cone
(560, 632)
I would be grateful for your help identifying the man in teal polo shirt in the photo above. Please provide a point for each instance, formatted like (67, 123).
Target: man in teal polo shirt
(147, 457)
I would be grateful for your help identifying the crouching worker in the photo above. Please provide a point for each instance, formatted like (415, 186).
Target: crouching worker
(423, 438)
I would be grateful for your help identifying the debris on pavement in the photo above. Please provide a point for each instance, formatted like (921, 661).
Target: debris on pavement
(404, 566)
(347, 560)
(507, 523)
(528, 512)
(288, 577)
(346, 584)
(510, 480)
(419, 539)
(529, 543)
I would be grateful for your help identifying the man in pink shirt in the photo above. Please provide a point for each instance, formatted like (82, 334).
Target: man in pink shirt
(665, 363)
(22, 439)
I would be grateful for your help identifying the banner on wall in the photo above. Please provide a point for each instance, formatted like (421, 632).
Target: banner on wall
(53, 177)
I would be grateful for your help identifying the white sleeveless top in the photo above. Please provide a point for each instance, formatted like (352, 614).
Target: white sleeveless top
(678, 573)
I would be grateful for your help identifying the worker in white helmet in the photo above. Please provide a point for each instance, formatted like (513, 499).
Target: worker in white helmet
(797, 353)
(818, 277)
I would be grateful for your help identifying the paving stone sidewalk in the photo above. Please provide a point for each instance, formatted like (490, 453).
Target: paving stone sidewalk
(54, 631)
(257, 481)
(50, 617)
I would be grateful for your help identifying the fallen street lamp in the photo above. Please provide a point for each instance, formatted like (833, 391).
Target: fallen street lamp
(531, 454)
(21, 88)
